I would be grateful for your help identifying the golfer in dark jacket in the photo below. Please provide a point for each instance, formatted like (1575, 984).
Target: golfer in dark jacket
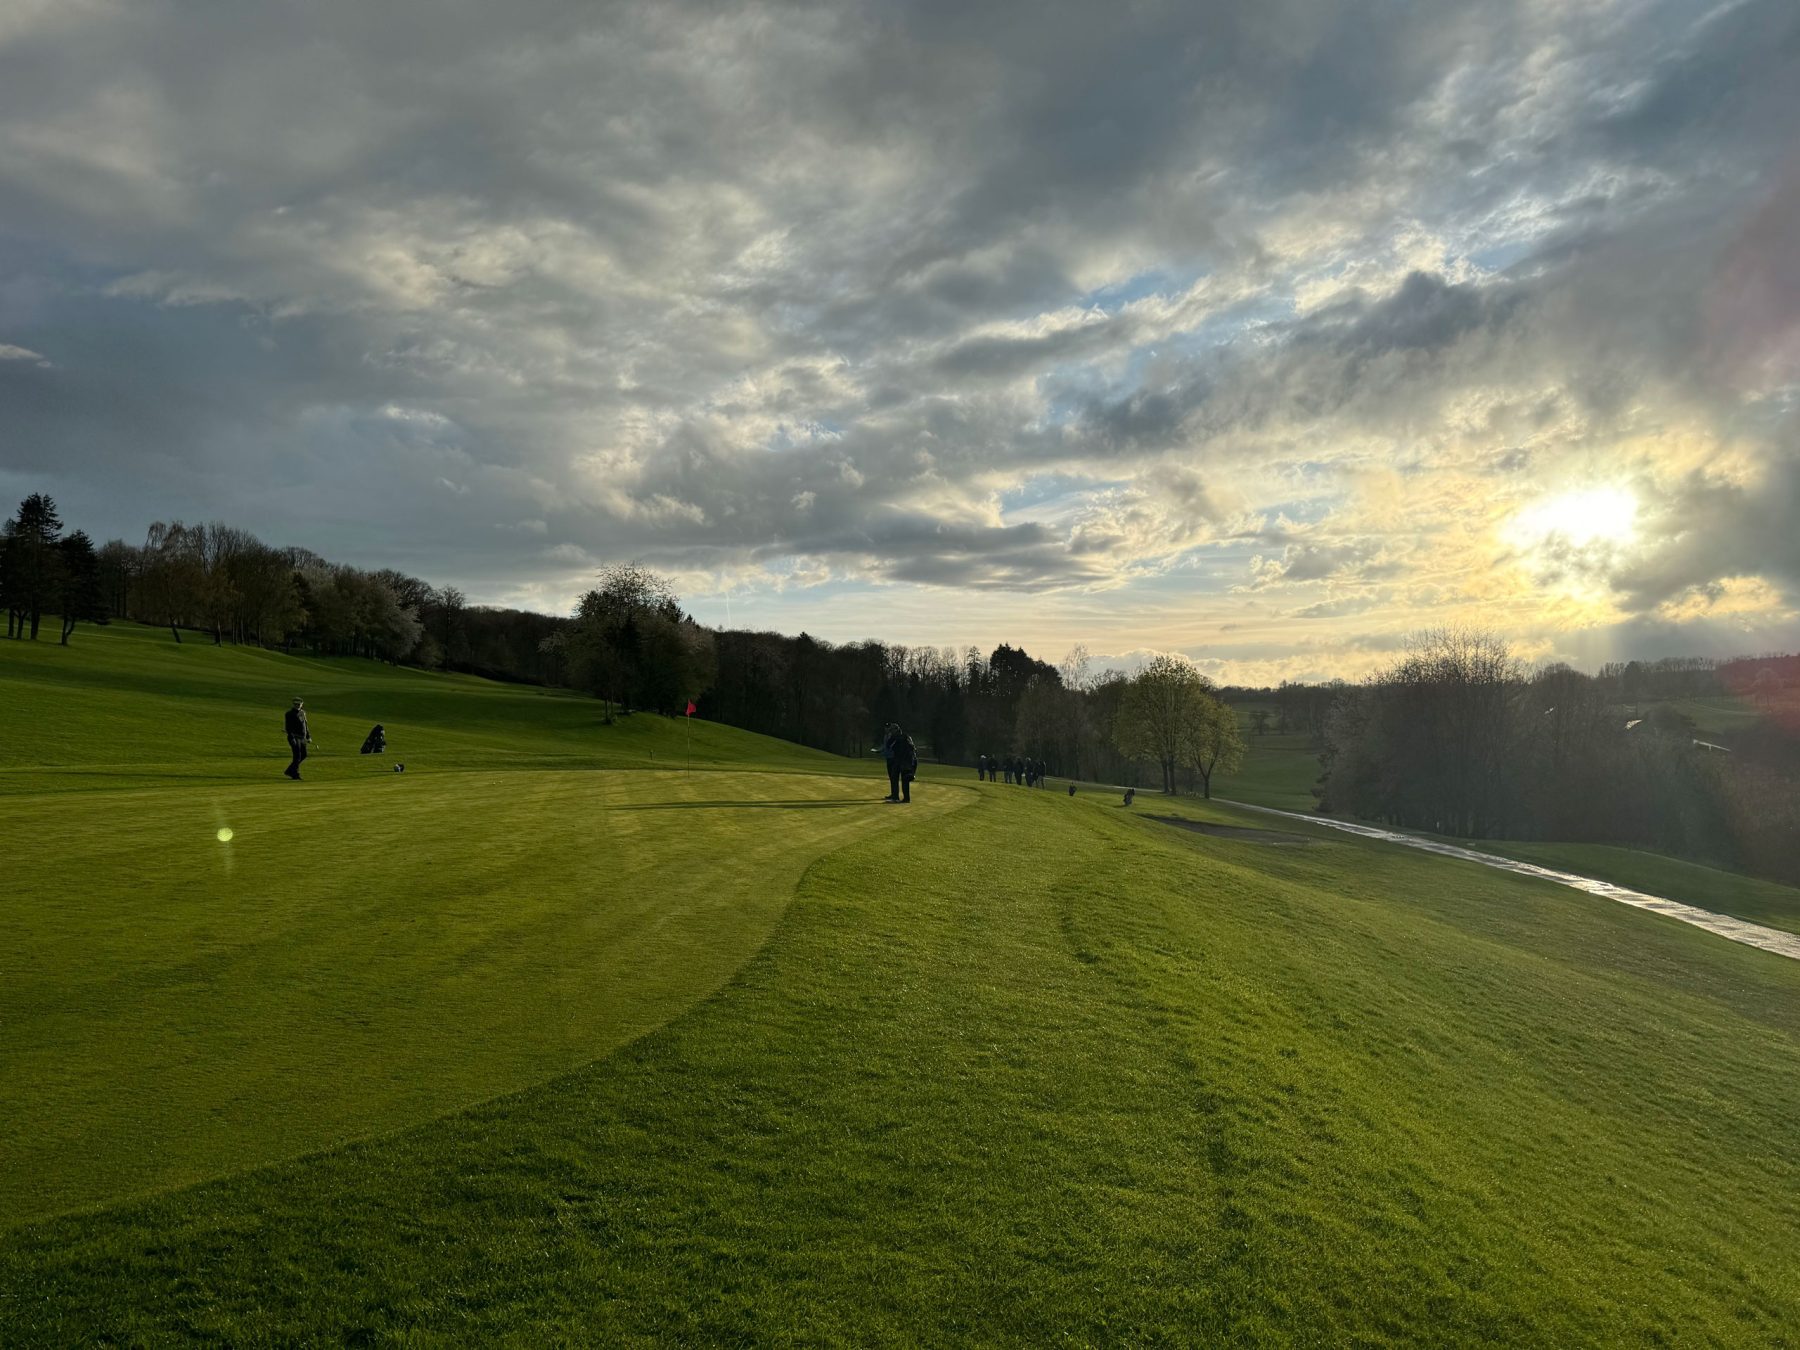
(890, 752)
(906, 760)
(298, 736)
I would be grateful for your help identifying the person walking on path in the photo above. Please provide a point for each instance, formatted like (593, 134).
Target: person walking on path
(298, 736)
(906, 758)
(889, 749)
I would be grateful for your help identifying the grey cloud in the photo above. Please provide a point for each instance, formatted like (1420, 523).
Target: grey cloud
(1310, 561)
(620, 252)
(1709, 530)
(1426, 313)
(1337, 609)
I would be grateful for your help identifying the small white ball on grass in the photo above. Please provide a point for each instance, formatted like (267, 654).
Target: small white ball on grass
(224, 834)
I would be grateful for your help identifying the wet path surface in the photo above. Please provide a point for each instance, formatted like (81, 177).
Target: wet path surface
(1723, 925)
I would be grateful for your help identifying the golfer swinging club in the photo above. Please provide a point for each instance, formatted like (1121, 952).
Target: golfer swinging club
(298, 736)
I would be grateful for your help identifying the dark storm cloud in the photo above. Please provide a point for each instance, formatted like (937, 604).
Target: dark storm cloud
(494, 293)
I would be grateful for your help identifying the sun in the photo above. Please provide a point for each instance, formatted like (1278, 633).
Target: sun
(1581, 519)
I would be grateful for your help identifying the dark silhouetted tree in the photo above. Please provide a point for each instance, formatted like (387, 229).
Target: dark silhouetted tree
(79, 597)
(29, 563)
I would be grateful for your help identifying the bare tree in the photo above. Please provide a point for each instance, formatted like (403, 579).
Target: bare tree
(173, 575)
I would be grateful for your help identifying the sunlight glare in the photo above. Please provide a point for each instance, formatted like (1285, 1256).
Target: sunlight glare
(1602, 515)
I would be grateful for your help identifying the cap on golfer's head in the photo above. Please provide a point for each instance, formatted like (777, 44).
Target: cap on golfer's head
(296, 703)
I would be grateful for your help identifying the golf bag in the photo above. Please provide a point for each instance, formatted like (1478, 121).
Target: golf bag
(376, 742)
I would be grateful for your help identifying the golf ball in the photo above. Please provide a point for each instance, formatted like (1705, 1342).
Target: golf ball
(224, 834)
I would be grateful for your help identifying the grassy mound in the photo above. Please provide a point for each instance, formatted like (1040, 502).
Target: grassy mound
(1038, 1070)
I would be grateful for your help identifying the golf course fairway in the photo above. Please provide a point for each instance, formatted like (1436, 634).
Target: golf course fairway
(549, 1040)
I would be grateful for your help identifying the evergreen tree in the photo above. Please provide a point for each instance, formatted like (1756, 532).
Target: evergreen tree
(80, 597)
(30, 563)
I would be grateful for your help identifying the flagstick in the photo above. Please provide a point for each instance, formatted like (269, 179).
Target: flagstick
(688, 722)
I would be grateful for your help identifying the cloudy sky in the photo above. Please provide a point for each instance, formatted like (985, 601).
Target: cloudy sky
(1265, 331)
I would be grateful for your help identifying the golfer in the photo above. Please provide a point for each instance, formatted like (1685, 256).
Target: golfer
(298, 736)
(889, 737)
(905, 762)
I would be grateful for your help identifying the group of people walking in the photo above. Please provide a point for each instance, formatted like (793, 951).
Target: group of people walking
(902, 758)
(1018, 770)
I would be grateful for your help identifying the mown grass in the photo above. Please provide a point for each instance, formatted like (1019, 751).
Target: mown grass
(363, 955)
(1044, 1071)
(369, 949)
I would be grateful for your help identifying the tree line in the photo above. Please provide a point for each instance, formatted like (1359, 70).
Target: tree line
(630, 645)
(1457, 737)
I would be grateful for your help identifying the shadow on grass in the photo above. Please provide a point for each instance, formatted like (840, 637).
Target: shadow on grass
(793, 805)
(173, 777)
(1243, 832)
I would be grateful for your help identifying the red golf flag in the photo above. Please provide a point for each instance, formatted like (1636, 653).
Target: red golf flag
(691, 709)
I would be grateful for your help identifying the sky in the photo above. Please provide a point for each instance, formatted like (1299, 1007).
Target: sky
(1262, 331)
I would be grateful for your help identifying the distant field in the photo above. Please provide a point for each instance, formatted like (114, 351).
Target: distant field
(1278, 771)
(1719, 715)
(582, 1050)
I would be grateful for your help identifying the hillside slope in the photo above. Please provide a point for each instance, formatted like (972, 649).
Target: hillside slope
(126, 705)
(1009, 1067)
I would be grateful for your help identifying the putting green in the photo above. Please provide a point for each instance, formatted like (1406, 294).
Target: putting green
(368, 949)
(365, 954)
